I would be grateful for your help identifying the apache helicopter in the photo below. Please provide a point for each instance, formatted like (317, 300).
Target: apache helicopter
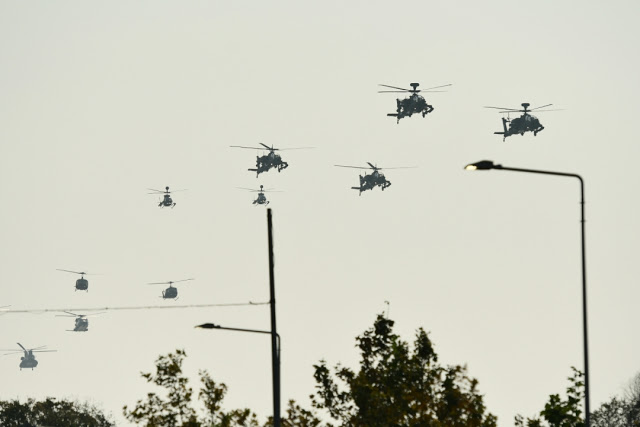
(262, 199)
(522, 124)
(29, 359)
(82, 284)
(170, 292)
(414, 104)
(369, 182)
(82, 323)
(167, 201)
(272, 160)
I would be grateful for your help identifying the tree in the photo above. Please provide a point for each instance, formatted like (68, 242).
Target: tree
(51, 412)
(177, 411)
(620, 411)
(558, 412)
(398, 386)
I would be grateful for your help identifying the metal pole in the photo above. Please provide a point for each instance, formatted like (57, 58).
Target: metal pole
(585, 335)
(275, 357)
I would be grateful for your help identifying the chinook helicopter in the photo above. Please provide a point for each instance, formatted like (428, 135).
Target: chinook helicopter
(167, 201)
(262, 199)
(519, 125)
(29, 359)
(82, 284)
(414, 104)
(170, 292)
(374, 179)
(82, 323)
(271, 160)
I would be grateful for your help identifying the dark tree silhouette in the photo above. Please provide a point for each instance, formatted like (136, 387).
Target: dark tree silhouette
(399, 386)
(51, 412)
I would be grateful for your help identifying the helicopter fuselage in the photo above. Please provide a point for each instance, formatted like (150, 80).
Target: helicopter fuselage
(28, 360)
(261, 200)
(82, 325)
(82, 284)
(269, 161)
(167, 201)
(170, 293)
(520, 125)
(369, 182)
(414, 104)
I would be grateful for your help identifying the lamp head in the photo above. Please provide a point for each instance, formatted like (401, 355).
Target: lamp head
(482, 165)
(208, 326)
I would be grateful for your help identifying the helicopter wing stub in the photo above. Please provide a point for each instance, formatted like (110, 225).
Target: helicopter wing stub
(395, 87)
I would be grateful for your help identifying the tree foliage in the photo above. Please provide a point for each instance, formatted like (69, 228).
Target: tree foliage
(176, 410)
(51, 412)
(620, 411)
(399, 386)
(560, 412)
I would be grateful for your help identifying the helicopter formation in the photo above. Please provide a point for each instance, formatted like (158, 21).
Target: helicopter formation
(414, 104)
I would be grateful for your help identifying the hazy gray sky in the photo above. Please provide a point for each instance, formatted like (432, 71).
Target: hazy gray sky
(103, 100)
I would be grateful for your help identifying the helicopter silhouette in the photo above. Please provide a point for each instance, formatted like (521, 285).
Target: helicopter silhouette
(29, 359)
(519, 125)
(271, 160)
(82, 323)
(374, 179)
(414, 104)
(170, 292)
(261, 199)
(82, 284)
(167, 201)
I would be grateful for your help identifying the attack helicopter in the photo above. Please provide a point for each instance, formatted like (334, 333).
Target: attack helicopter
(170, 292)
(167, 201)
(414, 104)
(262, 199)
(82, 323)
(271, 160)
(29, 359)
(519, 125)
(374, 179)
(82, 284)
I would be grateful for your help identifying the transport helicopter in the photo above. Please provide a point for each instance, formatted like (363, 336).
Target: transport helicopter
(82, 323)
(271, 160)
(167, 201)
(82, 284)
(414, 104)
(170, 292)
(262, 199)
(519, 125)
(29, 359)
(374, 179)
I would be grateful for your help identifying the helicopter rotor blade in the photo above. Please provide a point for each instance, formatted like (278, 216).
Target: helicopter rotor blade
(372, 167)
(548, 105)
(22, 347)
(12, 352)
(435, 87)
(248, 189)
(395, 87)
(267, 147)
(157, 191)
(393, 91)
(43, 351)
(69, 271)
(353, 167)
(294, 148)
(250, 148)
(502, 108)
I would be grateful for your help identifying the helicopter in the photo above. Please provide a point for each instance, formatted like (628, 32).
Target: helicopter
(519, 125)
(271, 160)
(29, 359)
(262, 199)
(167, 200)
(82, 284)
(414, 104)
(369, 182)
(82, 323)
(170, 292)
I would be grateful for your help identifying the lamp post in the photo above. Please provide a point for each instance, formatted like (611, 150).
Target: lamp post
(487, 165)
(275, 338)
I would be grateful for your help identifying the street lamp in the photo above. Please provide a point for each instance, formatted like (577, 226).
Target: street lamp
(275, 338)
(487, 165)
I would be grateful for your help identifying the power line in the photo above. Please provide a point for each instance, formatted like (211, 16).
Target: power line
(147, 307)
